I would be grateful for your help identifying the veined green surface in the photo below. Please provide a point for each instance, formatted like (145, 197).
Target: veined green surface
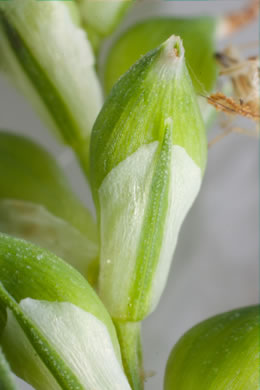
(153, 229)
(30, 274)
(6, 377)
(155, 89)
(80, 340)
(61, 372)
(148, 155)
(27, 271)
(46, 53)
(198, 37)
(220, 353)
(146, 207)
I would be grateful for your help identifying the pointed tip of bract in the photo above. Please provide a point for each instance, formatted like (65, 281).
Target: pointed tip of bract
(173, 48)
(172, 55)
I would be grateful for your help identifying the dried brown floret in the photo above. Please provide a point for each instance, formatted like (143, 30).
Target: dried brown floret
(237, 20)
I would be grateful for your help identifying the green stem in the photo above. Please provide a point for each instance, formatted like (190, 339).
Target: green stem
(130, 342)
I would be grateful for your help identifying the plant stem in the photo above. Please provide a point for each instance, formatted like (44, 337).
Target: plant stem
(131, 349)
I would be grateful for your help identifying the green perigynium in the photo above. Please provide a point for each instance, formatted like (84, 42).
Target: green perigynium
(57, 333)
(46, 53)
(148, 156)
(37, 203)
(221, 353)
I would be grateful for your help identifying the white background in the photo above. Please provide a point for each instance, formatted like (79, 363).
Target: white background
(215, 266)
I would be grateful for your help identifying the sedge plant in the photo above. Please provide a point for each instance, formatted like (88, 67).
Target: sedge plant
(74, 289)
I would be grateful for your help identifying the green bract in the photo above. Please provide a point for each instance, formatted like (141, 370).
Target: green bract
(47, 54)
(148, 155)
(6, 377)
(198, 37)
(36, 203)
(101, 17)
(220, 353)
(58, 333)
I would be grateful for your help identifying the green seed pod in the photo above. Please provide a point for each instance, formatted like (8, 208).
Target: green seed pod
(220, 353)
(148, 155)
(58, 334)
(46, 53)
(6, 377)
(37, 204)
(198, 37)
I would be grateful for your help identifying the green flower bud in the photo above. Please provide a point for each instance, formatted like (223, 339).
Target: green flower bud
(37, 204)
(220, 353)
(6, 377)
(58, 334)
(46, 53)
(148, 155)
(198, 37)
